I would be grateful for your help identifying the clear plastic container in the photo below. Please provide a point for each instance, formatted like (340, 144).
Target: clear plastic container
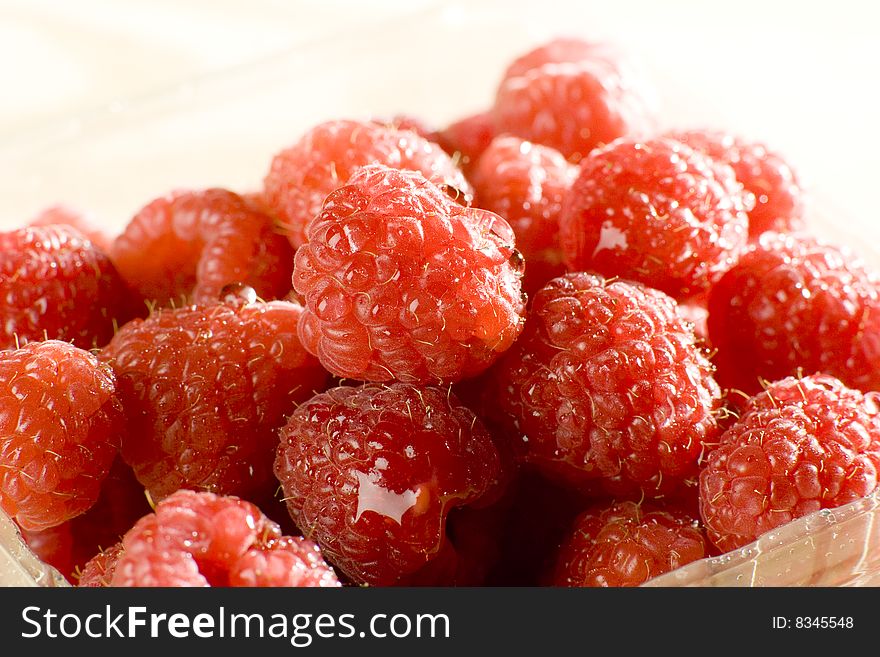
(441, 63)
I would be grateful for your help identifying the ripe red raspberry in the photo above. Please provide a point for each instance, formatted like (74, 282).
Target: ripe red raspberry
(68, 546)
(526, 183)
(82, 222)
(55, 284)
(205, 389)
(799, 446)
(778, 197)
(466, 139)
(607, 388)
(627, 544)
(371, 472)
(402, 283)
(188, 245)
(572, 104)
(60, 425)
(657, 212)
(325, 158)
(795, 304)
(202, 539)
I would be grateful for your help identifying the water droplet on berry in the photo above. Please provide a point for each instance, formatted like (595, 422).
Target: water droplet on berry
(373, 496)
(238, 293)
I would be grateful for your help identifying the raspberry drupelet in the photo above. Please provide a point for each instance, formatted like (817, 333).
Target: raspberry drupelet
(795, 304)
(186, 246)
(573, 96)
(402, 283)
(202, 539)
(55, 284)
(608, 389)
(60, 427)
(627, 544)
(302, 176)
(778, 194)
(657, 212)
(371, 473)
(800, 446)
(205, 389)
(526, 183)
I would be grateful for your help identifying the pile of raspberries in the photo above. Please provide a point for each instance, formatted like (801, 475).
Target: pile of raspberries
(549, 344)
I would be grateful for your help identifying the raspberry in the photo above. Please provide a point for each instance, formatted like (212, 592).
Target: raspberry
(627, 544)
(778, 198)
(371, 473)
(792, 304)
(189, 244)
(607, 388)
(79, 221)
(60, 423)
(205, 388)
(799, 446)
(70, 545)
(656, 212)
(202, 539)
(325, 158)
(526, 183)
(55, 284)
(402, 283)
(466, 139)
(573, 104)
